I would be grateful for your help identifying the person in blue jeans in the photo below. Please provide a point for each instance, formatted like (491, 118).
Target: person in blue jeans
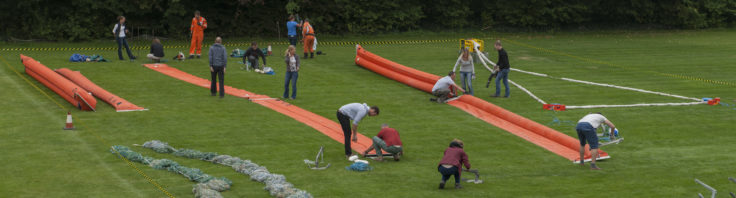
(467, 70)
(503, 73)
(586, 133)
(292, 71)
(291, 30)
(119, 31)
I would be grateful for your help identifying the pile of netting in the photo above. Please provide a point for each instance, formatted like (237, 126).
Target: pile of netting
(207, 185)
(276, 184)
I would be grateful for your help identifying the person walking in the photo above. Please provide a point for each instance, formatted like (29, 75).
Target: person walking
(196, 30)
(355, 112)
(119, 31)
(443, 88)
(467, 70)
(292, 71)
(309, 38)
(586, 133)
(387, 139)
(503, 73)
(291, 30)
(218, 65)
(453, 160)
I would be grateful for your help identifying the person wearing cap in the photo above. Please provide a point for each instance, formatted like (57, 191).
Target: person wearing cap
(387, 139)
(355, 112)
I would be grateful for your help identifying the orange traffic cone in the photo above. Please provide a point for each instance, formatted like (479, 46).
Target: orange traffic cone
(69, 125)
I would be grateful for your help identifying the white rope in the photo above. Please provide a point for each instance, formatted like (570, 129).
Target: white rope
(528, 72)
(634, 105)
(528, 92)
(629, 88)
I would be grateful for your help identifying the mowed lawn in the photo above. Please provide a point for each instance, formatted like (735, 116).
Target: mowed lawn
(665, 149)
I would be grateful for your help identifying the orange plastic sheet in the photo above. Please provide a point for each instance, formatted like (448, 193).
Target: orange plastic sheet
(71, 92)
(120, 104)
(543, 136)
(326, 126)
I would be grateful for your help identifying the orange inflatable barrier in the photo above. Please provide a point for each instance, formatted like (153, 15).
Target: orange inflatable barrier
(326, 126)
(529, 130)
(120, 104)
(71, 92)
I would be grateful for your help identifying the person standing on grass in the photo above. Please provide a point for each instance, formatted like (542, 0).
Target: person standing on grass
(503, 73)
(218, 64)
(355, 112)
(119, 31)
(387, 139)
(451, 163)
(292, 71)
(443, 89)
(586, 132)
(157, 51)
(196, 30)
(309, 38)
(467, 70)
(291, 30)
(252, 54)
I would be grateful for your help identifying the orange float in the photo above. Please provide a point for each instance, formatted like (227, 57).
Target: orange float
(72, 93)
(120, 104)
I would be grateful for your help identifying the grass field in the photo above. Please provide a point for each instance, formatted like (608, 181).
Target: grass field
(665, 147)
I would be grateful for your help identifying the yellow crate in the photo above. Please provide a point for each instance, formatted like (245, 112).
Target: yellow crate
(468, 43)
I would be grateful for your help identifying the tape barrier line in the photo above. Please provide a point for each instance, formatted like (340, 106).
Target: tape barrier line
(83, 127)
(589, 60)
(328, 43)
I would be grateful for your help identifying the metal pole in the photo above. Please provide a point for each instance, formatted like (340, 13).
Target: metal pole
(712, 190)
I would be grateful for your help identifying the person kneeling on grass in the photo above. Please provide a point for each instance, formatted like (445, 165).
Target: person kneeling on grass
(451, 163)
(157, 51)
(443, 88)
(388, 140)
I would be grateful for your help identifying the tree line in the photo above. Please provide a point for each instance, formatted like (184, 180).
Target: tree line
(78, 20)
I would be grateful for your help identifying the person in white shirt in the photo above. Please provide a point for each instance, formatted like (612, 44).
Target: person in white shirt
(586, 132)
(443, 88)
(355, 112)
(119, 31)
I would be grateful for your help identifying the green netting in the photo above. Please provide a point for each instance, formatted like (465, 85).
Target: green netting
(208, 186)
(276, 184)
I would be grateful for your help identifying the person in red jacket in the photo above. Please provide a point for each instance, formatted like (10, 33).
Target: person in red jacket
(308, 35)
(387, 139)
(451, 163)
(197, 32)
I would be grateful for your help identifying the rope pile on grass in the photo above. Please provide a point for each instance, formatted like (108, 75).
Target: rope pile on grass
(276, 184)
(207, 185)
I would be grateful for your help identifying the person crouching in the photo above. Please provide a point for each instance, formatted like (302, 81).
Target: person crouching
(453, 159)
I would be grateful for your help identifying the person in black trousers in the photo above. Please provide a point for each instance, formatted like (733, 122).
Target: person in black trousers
(252, 54)
(157, 51)
(218, 64)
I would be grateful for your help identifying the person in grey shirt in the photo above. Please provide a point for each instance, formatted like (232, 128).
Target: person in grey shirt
(467, 70)
(218, 63)
(355, 112)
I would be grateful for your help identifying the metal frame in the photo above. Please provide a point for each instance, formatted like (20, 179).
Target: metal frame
(319, 158)
(712, 190)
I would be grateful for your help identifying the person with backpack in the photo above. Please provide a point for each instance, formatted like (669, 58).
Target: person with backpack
(119, 31)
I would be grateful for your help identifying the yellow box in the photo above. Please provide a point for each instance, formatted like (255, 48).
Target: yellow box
(468, 43)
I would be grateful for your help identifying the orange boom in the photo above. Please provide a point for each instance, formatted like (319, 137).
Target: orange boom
(529, 130)
(72, 93)
(120, 104)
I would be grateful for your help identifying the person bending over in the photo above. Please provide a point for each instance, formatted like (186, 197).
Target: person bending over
(586, 132)
(355, 112)
(453, 159)
(387, 139)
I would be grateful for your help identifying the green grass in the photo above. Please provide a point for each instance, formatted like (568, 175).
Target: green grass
(665, 147)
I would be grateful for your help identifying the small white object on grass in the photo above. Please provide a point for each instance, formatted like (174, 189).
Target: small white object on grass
(353, 158)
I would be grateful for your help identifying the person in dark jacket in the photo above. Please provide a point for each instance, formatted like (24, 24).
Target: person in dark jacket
(292, 71)
(503, 72)
(252, 54)
(157, 51)
(451, 163)
(218, 64)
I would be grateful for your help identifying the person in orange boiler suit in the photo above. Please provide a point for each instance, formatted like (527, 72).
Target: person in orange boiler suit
(197, 32)
(308, 35)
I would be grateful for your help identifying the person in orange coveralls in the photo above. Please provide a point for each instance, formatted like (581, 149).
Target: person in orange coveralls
(308, 35)
(197, 32)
